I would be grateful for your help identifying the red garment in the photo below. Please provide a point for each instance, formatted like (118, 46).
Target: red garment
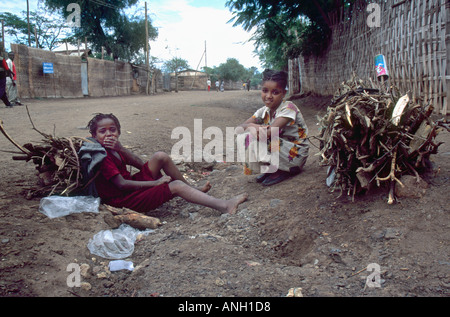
(142, 200)
(4, 64)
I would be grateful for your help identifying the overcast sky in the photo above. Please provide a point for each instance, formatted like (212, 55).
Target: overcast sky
(184, 27)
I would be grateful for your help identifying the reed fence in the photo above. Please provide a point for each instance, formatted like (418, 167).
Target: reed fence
(413, 35)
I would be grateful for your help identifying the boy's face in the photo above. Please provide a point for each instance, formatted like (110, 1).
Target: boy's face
(272, 94)
(106, 131)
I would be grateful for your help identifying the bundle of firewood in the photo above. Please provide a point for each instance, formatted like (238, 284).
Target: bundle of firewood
(57, 163)
(56, 160)
(371, 135)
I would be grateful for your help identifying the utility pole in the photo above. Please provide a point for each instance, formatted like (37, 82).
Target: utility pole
(28, 22)
(206, 64)
(147, 66)
(2, 49)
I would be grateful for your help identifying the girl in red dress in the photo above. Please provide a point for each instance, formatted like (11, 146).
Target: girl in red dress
(148, 188)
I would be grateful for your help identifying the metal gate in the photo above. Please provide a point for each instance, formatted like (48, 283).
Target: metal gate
(166, 81)
(84, 78)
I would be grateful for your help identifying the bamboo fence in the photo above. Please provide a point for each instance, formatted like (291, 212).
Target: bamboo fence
(105, 78)
(414, 36)
(65, 81)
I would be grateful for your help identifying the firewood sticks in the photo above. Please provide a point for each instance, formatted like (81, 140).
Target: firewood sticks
(369, 136)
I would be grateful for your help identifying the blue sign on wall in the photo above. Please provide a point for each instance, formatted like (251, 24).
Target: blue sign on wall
(47, 68)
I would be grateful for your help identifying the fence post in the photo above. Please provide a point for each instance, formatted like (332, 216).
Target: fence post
(294, 76)
(447, 72)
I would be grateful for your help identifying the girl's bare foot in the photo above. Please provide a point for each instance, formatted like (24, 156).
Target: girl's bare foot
(206, 187)
(233, 203)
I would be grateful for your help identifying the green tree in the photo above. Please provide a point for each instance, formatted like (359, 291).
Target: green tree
(287, 28)
(105, 24)
(49, 30)
(255, 76)
(232, 70)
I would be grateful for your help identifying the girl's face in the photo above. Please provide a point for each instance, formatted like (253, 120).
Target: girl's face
(106, 129)
(272, 94)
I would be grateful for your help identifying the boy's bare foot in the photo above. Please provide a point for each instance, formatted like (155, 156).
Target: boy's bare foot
(206, 187)
(233, 203)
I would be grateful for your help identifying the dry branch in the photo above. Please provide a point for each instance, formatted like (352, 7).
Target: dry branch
(132, 218)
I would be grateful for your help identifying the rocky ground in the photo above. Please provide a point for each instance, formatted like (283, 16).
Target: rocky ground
(296, 234)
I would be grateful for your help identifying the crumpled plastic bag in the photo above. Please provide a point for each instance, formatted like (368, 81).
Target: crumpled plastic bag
(115, 244)
(60, 206)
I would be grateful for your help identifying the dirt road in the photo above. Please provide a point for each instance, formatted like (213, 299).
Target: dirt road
(294, 234)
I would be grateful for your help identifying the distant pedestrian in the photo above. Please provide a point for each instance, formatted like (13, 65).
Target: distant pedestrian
(4, 72)
(11, 82)
(208, 82)
(217, 85)
(222, 87)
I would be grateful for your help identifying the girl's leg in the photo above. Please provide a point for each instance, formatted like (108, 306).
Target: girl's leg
(162, 161)
(198, 197)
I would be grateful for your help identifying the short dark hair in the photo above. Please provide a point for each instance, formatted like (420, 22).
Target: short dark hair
(280, 77)
(92, 125)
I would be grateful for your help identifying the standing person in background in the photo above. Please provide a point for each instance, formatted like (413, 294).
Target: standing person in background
(217, 85)
(4, 72)
(11, 86)
(208, 82)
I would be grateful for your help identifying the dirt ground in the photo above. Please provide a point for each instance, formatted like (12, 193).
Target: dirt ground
(295, 234)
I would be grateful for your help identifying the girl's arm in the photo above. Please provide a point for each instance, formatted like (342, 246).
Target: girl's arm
(279, 123)
(252, 126)
(131, 158)
(250, 123)
(132, 185)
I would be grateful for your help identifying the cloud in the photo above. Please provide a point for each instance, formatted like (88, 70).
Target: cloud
(184, 29)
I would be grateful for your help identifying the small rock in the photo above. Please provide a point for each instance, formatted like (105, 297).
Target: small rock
(295, 292)
(84, 270)
(392, 233)
(102, 275)
(252, 263)
(86, 286)
(219, 282)
(275, 202)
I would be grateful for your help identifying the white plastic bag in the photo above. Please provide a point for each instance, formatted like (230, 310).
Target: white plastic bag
(115, 244)
(60, 206)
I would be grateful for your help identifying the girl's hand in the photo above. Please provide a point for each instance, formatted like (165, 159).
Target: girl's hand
(112, 142)
(263, 132)
(164, 179)
(259, 131)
